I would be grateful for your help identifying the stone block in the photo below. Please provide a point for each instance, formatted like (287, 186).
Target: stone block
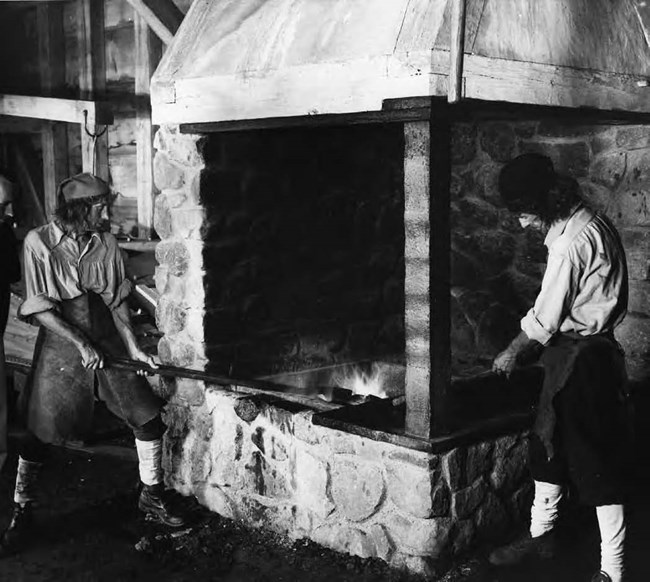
(411, 489)
(609, 169)
(633, 137)
(216, 499)
(166, 174)
(265, 479)
(416, 244)
(161, 276)
(304, 428)
(603, 140)
(596, 196)
(416, 185)
(637, 249)
(345, 539)
(420, 537)
(569, 157)
(498, 141)
(639, 298)
(170, 316)
(510, 466)
(311, 478)
(453, 469)
(187, 222)
(174, 255)
(464, 502)
(162, 218)
(357, 489)
(463, 143)
(383, 545)
(479, 461)
(183, 150)
(492, 520)
(463, 536)
(191, 392)
(248, 409)
(418, 279)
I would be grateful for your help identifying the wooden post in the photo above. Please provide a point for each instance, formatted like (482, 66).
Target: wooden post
(147, 52)
(54, 138)
(92, 82)
(457, 50)
(427, 172)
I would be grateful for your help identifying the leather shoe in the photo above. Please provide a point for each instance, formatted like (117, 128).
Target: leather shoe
(19, 530)
(542, 547)
(155, 502)
(601, 577)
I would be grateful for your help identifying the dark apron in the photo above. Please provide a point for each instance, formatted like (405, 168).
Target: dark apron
(580, 432)
(59, 397)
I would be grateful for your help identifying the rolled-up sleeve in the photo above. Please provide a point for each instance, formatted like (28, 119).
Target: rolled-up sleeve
(41, 292)
(554, 300)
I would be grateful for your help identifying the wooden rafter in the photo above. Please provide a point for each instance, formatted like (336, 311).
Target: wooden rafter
(163, 16)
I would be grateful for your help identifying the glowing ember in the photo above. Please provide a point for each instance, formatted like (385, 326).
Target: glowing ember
(363, 383)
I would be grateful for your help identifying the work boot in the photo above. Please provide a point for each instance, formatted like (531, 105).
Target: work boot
(154, 502)
(601, 577)
(528, 547)
(19, 530)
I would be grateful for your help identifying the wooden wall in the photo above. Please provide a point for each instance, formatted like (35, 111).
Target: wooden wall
(20, 74)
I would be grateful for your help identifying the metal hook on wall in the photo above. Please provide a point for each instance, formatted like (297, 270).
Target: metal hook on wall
(90, 134)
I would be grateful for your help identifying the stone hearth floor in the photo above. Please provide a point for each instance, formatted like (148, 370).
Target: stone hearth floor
(89, 530)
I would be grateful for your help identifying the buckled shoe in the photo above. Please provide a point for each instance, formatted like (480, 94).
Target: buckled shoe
(19, 530)
(155, 502)
(541, 547)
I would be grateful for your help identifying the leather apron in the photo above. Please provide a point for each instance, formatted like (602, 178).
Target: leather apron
(58, 399)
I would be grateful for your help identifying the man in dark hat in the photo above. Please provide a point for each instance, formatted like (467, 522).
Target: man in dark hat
(578, 437)
(76, 290)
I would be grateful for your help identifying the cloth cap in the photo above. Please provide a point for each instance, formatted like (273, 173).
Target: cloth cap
(82, 186)
(525, 182)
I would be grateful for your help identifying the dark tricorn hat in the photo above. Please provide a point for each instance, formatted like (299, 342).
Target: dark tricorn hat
(525, 182)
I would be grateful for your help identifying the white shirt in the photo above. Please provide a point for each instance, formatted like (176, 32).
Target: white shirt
(585, 288)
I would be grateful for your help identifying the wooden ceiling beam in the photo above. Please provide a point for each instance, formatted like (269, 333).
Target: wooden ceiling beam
(55, 109)
(163, 16)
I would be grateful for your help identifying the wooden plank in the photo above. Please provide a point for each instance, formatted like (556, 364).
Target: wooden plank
(54, 109)
(54, 138)
(147, 52)
(456, 51)
(163, 16)
(92, 82)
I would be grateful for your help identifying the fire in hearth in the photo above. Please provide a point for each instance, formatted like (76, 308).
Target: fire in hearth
(363, 382)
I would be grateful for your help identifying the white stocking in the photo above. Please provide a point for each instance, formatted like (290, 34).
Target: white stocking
(544, 511)
(150, 461)
(26, 478)
(611, 522)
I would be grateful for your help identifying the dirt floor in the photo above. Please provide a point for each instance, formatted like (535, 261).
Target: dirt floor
(89, 530)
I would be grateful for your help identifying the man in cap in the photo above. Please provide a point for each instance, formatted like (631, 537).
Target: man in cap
(76, 291)
(9, 273)
(578, 437)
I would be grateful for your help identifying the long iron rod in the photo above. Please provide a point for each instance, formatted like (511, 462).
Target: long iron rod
(178, 372)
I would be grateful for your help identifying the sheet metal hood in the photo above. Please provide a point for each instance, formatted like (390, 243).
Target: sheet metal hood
(236, 60)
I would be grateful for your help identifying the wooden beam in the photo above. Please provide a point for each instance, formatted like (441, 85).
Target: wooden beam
(55, 109)
(147, 54)
(92, 83)
(427, 173)
(163, 16)
(54, 137)
(457, 50)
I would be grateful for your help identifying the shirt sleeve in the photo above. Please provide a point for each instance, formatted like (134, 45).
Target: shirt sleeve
(41, 292)
(117, 287)
(554, 300)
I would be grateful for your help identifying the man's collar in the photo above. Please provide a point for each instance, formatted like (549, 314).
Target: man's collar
(559, 227)
(57, 234)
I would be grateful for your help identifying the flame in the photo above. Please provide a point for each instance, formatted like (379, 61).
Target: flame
(364, 383)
